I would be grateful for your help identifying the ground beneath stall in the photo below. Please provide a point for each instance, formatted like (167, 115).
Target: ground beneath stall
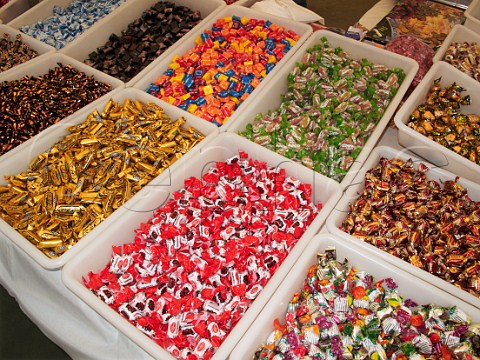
(340, 13)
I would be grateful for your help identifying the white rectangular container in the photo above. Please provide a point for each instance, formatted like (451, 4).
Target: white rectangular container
(40, 47)
(42, 65)
(98, 254)
(44, 9)
(410, 287)
(458, 34)
(17, 161)
(472, 15)
(422, 145)
(12, 9)
(351, 194)
(124, 15)
(271, 99)
(160, 65)
(246, 3)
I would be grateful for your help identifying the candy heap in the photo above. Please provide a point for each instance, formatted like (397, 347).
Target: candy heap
(342, 313)
(91, 172)
(434, 228)
(67, 23)
(465, 56)
(32, 104)
(441, 120)
(329, 112)
(144, 40)
(196, 266)
(14, 52)
(228, 63)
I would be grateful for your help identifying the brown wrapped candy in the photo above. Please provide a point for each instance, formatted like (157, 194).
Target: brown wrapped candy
(434, 227)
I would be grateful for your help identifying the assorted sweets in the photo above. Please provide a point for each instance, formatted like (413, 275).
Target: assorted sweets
(343, 312)
(465, 56)
(33, 103)
(195, 267)
(228, 62)
(143, 40)
(14, 52)
(440, 119)
(433, 226)
(331, 108)
(92, 171)
(67, 23)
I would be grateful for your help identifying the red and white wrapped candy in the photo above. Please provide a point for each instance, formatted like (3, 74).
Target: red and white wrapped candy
(197, 265)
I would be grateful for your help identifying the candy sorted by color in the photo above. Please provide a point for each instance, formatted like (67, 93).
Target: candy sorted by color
(434, 227)
(144, 40)
(91, 172)
(465, 56)
(440, 119)
(331, 108)
(14, 52)
(344, 313)
(67, 23)
(229, 61)
(32, 104)
(196, 266)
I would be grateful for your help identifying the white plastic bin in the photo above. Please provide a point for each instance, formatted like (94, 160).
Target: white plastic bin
(408, 286)
(277, 86)
(17, 161)
(98, 254)
(12, 9)
(40, 47)
(472, 15)
(458, 34)
(124, 15)
(351, 194)
(422, 145)
(160, 65)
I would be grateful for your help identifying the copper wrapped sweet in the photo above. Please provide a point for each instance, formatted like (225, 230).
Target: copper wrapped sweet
(91, 172)
(433, 226)
(441, 120)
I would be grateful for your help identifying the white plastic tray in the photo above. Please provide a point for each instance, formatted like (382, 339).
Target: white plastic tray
(246, 3)
(12, 9)
(277, 86)
(40, 47)
(160, 65)
(422, 145)
(459, 34)
(124, 15)
(409, 287)
(98, 254)
(17, 161)
(351, 194)
(41, 65)
(44, 9)
(472, 15)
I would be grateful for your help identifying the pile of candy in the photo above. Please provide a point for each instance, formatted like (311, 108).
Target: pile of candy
(329, 112)
(14, 52)
(83, 178)
(465, 56)
(67, 23)
(144, 40)
(230, 59)
(32, 104)
(196, 266)
(440, 119)
(434, 228)
(342, 313)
